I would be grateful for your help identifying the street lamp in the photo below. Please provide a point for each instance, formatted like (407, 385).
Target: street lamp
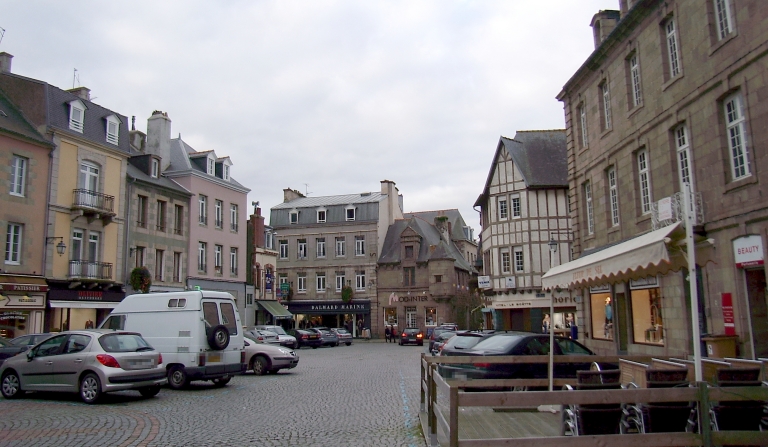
(553, 249)
(60, 247)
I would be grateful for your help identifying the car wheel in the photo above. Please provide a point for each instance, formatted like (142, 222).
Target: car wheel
(90, 388)
(348, 343)
(11, 387)
(260, 365)
(314, 347)
(218, 338)
(222, 381)
(150, 391)
(335, 344)
(177, 377)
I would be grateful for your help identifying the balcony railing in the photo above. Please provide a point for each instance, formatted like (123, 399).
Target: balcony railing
(90, 270)
(161, 227)
(92, 200)
(141, 224)
(178, 231)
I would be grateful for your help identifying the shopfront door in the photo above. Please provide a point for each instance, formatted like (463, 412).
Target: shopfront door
(758, 309)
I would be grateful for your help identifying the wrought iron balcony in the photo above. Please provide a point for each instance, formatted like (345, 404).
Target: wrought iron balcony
(92, 202)
(90, 270)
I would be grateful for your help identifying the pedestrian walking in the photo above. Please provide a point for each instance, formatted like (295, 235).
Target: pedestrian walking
(360, 327)
(387, 334)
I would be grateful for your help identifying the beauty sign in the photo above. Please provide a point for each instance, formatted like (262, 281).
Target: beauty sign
(748, 251)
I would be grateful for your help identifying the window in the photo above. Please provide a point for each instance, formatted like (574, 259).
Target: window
(390, 316)
(177, 266)
(159, 264)
(410, 317)
(409, 276)
(605, 104)
(350, 213)
(634, 78)
(283, 249)
(341, 246)
(201, 256)
(320, 247)
(13, 244)
(76, 116)
(602, 315)
(519, 262)
(161, 215)
(438, 278)
(93, 246)
(302, 249)
(673, 56)
(320, 216)
(645, 181)
(360, 281)
(113, 130)
(340, 281)
(141, 212)
(302, 279)
(683, 156)
(211, 166)
(590, 208)
(218, 209)
(724, 23)
(409, 252)
(430, 316)
(268, 236)
(647, 322)
(89, 177)
(178, 219)
(203, 210)
(320, 280)
(583, 125)
(503, 210)
(217, 259)
(226, 172)
(737, 145)
(233, 261)
(506, 261)
(359, 245)
(76, 251)
(155, 168)
(140, 251)
(18, 175)
(249, 299)
(294, 217)
(614, 196)
(516, 210)
(233, 217)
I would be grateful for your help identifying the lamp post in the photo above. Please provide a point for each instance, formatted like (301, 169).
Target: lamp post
(61, 247)
(552, 250)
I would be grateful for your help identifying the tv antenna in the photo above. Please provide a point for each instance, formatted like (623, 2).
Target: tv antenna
(306, 190)
(2, 34)
(75, 77)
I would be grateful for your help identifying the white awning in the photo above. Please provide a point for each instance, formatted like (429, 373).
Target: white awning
(84, 304)
(640, 257)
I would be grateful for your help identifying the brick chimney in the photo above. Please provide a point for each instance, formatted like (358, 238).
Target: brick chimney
(291, 194)
(257, 223)
(5, 62)
(81, 92)
(443, 227)
(159, 138)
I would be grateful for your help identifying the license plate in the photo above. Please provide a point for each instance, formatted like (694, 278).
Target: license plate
(142, 362)
(214, 357)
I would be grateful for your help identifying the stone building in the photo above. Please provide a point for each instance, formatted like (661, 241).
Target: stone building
(262, 305)
(673, 95)
(526, 229)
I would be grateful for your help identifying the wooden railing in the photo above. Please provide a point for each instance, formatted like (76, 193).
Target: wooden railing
(439, 425)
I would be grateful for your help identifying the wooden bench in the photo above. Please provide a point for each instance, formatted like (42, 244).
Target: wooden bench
(669, 364)
(746, 363)
(709, 368)
(633, 372)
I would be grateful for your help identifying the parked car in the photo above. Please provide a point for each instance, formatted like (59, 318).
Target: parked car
(517, 343)
(343, 335)
(198, 332)
(440, 340)
(265, 358)
(286, 340)
(437, 331)
(463, 340)
(88, 362)
(263, 336)
(411, 335)
(306, 337)
(329, 338)
(20, 344)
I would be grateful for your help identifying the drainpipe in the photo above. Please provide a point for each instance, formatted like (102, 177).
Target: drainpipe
(127, 231)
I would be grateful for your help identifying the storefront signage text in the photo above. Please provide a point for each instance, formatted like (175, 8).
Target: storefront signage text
(342, 307)
(748, 251)
(588, 272)
(484, 282)
(5, 287)
(5, 316)
(35, 301)
(728, 320)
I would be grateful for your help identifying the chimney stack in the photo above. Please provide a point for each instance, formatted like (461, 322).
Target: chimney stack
(5, 62)
(159, 137)
(602, 24)
(81, 92)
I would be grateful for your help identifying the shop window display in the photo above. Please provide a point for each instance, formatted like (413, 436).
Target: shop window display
(390, 315)
(430, 317)
(602, 316)
(647, 321)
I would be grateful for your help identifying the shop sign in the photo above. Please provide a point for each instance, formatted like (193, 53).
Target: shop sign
(606, 288)
(510, 282)
(268, 281)
(394, 298)
(665, 209)
(748, 251)
(644, 283)
(22, 301)
(13, 316)
(86, 295)
(484, 282)
(523, 304)
(10, 287)
(728, 320)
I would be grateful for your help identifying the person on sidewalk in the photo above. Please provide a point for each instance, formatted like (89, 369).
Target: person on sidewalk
(387, 334)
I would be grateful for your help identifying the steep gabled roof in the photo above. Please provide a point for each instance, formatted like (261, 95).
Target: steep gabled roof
(454, 217)
(345, 199)
(13, 121)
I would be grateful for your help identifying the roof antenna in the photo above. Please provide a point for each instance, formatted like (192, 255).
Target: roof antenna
(2, 34)
(306, 190)
(75, 77)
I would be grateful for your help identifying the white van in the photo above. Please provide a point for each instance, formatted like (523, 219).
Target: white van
(198, 332)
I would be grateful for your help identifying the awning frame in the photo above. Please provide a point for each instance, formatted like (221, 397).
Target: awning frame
(277, 310)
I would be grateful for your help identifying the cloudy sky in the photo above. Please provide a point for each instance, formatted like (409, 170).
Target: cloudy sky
(326, 97)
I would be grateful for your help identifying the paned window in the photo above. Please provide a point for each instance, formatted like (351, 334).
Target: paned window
(359, 280)
(683, 156)
(302, 249)
(302, 278)
(13, 244)
(155, 168)
(672, 48)
(341, 246)
(78, 237)
(211, 166)
(590, 208)
(723, 12)
(217, 258)
(203, 209)
(233, 261)
(18, 175)
(606, 104)
(159, 264)
(113, 130)
(613, 189)
(178, 219)
(76, 116)
(161, 208)
(93, 246)
(141, 211)
(516, 210)
(89, 177)
(519, 261)
(234, 215)
(350, 212)
(409, 276)
(410, 316)
(645, 181)
(503, 210)
(506, 261)
(583, 125)
(320, 282)
(321, 247)
(634, 73)
(359, 245)
(218, 207)
(202, 249)
(294, 217)
(283, 249)
(737, 144)
(321, 216)
(340, 278)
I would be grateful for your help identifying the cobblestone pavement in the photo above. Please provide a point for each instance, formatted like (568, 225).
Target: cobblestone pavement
(366, 394)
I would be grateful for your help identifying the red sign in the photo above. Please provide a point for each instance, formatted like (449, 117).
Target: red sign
(728, 321)
(6, 287)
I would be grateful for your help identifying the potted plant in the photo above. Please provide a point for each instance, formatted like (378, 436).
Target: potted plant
(141, 279)
(347, 294)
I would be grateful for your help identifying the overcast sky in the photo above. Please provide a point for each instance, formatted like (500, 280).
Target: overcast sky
(325, 97)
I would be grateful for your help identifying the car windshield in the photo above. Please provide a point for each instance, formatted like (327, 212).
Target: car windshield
(463, 342)
(342, 331)
(411, 331)
(276, 329)
(123, 343)
(498, 343)
(446, 335)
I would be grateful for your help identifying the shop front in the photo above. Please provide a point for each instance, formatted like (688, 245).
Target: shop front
(79, 309)
(530, 313)
(22, 305)
(355, 315)
(414, 311)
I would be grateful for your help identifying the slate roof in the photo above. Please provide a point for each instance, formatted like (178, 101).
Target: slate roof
(135, 173)
(453, 215)
(539, 155)
(14, 122)
(180, 161)
(430, 236)
(346, 199)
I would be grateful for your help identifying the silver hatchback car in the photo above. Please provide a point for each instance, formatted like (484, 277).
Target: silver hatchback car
(88, 362)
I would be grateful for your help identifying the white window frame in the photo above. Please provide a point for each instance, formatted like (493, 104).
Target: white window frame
(583, 121)
(78, 244)
(590, 208)
(211, 166)
(606, 95)
(503, 208)
(233, 217)
(519, 260)
(360, 281)
(225, 172)
(320, 282)
(89, 176)
(644, 177)
(341, 247)
(113, 130)
(18, 175)
(13, 239)
(683, 144)
(517, 209)
(202, 209)
(634, 74)
(283, 249)
(320, 247)
(202, 254)
(293, 217)
(155, 168)
(613, 189)
(359, 245)
(737, 137)
(219, 210)
(506, 261)
(76, 116)
(301, 249)
(672, 48)
(410, 316)
(723, 18)
(340, 281)
(322, 215)
(94, 242)
(159, 265)
(233, 260)
(218, 261)
(302, 282)
(350, 216)
(268, 239)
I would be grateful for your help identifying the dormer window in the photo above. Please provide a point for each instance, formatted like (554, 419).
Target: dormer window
(211, 166)
(350, 213)
(321, 215)
(76, 115)
(226, 172)
(294, 216)
(155, 168)
(113, 129)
